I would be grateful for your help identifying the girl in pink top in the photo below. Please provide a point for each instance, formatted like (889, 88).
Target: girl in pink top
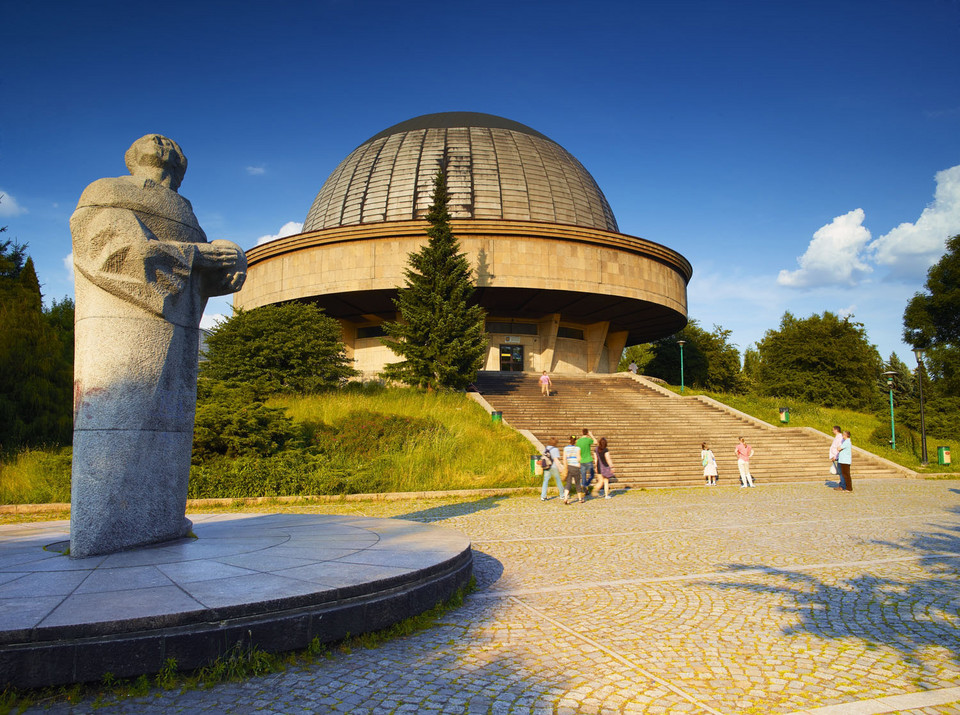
(545, 384)
(744, 452)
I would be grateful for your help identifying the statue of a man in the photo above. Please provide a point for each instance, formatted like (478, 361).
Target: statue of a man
(144, 271)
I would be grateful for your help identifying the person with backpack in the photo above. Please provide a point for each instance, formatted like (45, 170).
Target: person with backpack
(550, 462)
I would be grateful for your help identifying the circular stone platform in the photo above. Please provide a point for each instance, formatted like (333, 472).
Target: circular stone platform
(272, 581)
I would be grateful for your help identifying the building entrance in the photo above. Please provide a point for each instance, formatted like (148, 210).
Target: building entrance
(511, 358)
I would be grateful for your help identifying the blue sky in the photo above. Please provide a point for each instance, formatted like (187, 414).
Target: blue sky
(804, 156)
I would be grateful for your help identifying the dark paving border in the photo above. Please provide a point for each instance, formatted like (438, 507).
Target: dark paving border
(271, 581)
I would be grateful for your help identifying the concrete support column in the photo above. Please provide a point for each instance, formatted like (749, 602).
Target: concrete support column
(349, 330)
(596, 335)
(547, 330)
(616, 342)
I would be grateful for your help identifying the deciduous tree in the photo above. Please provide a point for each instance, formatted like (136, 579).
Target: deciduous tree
(710, 360)
(932, 321)
(823, 359)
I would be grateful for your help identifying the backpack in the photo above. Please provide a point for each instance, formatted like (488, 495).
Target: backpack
(546, 461)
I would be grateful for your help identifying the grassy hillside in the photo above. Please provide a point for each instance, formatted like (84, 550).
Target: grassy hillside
(354, 441)
(862, 426)
(385, 440)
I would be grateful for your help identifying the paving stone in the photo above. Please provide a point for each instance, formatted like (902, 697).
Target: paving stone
(777, 599)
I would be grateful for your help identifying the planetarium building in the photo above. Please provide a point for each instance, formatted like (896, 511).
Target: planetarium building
(563, 289)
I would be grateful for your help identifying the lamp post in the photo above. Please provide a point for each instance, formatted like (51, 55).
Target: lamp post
(923, 429)
(681, 343)
(893, 432)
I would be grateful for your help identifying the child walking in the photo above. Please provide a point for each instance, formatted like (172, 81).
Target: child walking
(709, 462)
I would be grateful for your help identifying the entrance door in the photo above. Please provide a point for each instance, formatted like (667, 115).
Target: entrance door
(511, 358)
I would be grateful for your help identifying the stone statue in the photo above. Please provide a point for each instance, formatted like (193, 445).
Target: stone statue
(144, 271)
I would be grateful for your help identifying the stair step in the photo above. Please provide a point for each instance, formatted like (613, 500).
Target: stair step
(655, 438)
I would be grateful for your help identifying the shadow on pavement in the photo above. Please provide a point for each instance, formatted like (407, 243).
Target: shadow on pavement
(907, 615)
(486, 569)
(446, 511)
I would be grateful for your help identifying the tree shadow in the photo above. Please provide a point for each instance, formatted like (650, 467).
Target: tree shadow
(905, 614)
(447, 511)
(483, 269)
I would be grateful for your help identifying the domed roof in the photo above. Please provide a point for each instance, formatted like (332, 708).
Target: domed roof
(496, 169)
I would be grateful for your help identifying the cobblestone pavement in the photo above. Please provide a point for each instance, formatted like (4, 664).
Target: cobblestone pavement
(778, 599)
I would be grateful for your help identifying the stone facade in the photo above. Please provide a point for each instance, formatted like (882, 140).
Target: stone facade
(637, 286)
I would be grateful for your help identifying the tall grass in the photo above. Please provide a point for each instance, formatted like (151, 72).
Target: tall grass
(36, 476)
(464, 451)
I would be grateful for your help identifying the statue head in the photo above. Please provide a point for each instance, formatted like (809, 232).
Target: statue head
(156, 157)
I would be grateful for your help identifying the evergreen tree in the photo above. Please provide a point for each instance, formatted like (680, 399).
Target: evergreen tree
(439, 335)
(36, 378)
(292, 347)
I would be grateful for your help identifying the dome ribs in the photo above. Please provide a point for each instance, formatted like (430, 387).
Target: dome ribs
(497, 169)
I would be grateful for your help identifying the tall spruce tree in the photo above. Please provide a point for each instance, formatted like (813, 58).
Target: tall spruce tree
(439, 335)
(36, 376)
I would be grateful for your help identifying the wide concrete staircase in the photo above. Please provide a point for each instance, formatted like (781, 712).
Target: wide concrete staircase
(655, 436)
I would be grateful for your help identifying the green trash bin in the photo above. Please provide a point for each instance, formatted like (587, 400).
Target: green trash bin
(943, 455)
(533, 464)
(496, 417)
(785, 415)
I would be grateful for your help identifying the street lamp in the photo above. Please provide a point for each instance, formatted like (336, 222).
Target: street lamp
(893, 432)
(923, 429)
(681, 343)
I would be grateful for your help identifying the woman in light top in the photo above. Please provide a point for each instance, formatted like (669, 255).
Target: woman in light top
(545, 384)
(571, 460)
(744, 452)
(709, 462)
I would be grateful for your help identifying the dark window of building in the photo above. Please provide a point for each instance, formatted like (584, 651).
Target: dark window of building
(494, 326)
(574, 333)
(370, 331)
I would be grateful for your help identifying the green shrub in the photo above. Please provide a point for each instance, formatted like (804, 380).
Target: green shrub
(234, 422)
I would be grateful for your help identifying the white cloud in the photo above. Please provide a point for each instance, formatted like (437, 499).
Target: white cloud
(834, 256)
(911, 248)
(211, 320)
(848, 311)
(288, 229)
(68, 264)
(9, 205)
(256, 170)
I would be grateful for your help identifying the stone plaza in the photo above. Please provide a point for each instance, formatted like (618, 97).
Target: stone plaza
(786, 598)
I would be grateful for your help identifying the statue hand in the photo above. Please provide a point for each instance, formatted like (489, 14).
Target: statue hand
(220, 254)
(226, 265)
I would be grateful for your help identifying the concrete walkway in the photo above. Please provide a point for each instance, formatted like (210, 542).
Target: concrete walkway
(778, 599)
